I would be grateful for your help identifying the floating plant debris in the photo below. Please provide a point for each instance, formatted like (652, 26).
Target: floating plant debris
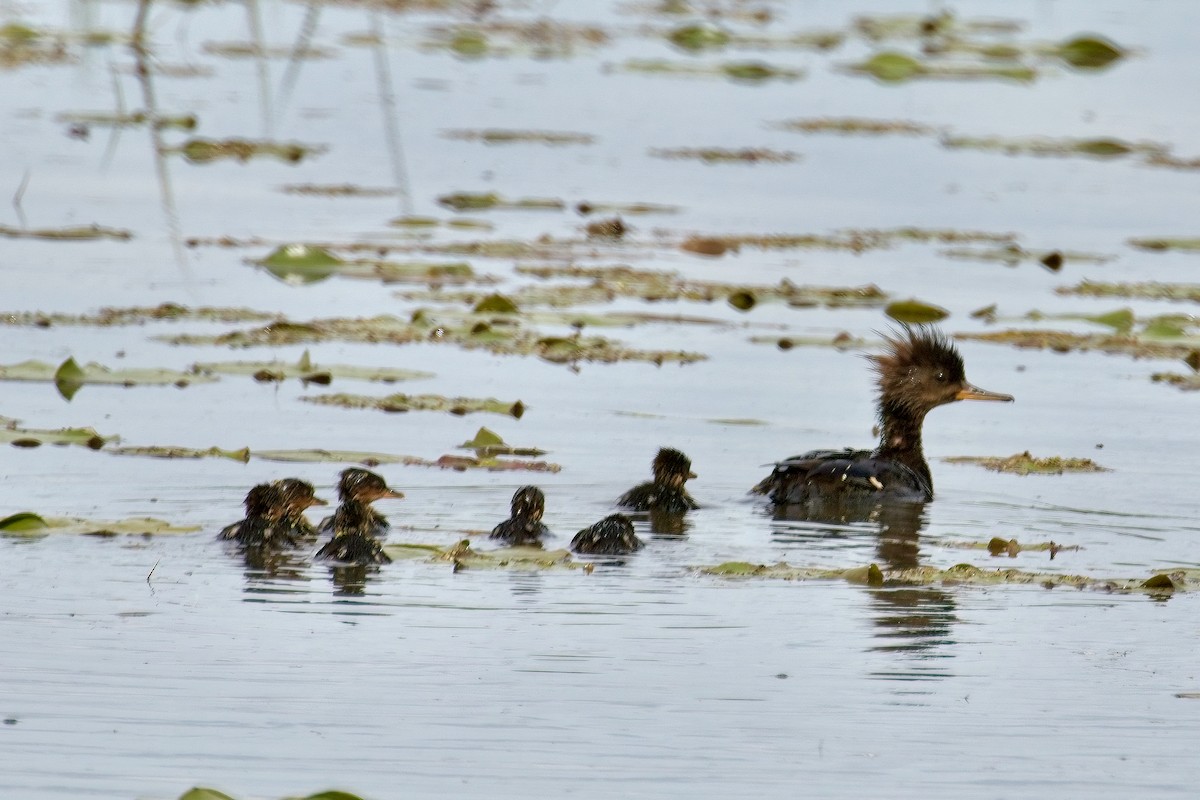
(1026, 464)
(856, 126)
(701, 36)
(336, 190)
(1147, 290)
(740, 71)
(719, 155)
(502, 334)
(1103, 148)
(999, 546)
(205, 793)
(915, 312)
(1064, 342)
(27, 524)
(1171, 162)
(892, 67)
(854, 240)
(256, 50)
(613, 228)
(183, 122)
(960, 574)
(203, 151)
(510, 136)
(135, 315)
(35, 437)
(21, 45)
(68, 372)
(878, 27)
(79, 233)
(461, 556)
(171, 451)
(542, 37)
(308, 372)
(841, 341)
(399, 403)
(609, 283)
(1186, 244)
(302, 264)
(467, 201)
(629, 209)
(1013, 254)
(488, 444)
(1188, 383)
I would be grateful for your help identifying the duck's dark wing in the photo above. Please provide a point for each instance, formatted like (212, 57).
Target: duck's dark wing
(653, 497)
(354, 548)
(517, 531)
(824, 475)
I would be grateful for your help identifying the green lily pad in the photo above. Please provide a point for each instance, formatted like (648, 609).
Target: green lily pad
(329, 795)
(469, 44)
(301, 263)
(890, 67)
(204, 793)
(22, 522)
(1026, 464)
(695, 38)
(488, 444)
(915, 312)
(68, 378)
(1120, 320)
(495, 304)
(1091, 53)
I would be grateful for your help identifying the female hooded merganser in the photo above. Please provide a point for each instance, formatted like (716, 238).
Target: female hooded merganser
(296, 496)
(363, 487)
(353, 541)
(525, 525)
(263, 525)
(921, 371)
(611, 536)
(672, 469)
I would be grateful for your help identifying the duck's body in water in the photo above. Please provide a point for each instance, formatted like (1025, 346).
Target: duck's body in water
(611, 536)
(525, 526)
(666, 492)
(263, 525)
(921, 371)
(362, 487)
(353, 539)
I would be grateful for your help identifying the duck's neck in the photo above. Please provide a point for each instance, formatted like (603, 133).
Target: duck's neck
(901, 439)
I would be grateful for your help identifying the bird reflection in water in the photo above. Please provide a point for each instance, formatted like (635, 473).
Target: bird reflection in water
(350, 580)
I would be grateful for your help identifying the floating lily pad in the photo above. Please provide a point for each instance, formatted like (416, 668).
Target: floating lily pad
(719, 155)
(893, 67)
(488, 444)
(999, 546)
(398, 403)
(1026, 464)
(695, 38)
(204, 793)
(22, 522)
(1090, 52)
(308, 372)
(739, 71)
(203, 151)
(301, 263)
(79, 233)
(915, 312)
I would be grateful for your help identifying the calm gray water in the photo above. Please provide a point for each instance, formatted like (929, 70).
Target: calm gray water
(641, 680)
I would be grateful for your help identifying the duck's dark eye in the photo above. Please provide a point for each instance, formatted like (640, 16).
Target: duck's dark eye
(940, 377)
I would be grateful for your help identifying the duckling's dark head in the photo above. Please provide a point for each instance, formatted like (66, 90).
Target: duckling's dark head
(672, 468)
(921, 371)
(364, 486)
(264, 500)
(528, 503)
(298, 495)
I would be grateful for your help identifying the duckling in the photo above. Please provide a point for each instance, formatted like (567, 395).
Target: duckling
(920, 371)
(296, 496)
(611, 536)
(263, 525)
(363, 487)
(672, 469)
(525, 526)
(353, 542)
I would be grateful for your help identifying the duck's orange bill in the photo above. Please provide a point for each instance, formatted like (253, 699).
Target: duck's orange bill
(316, 501)
(970, 392)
